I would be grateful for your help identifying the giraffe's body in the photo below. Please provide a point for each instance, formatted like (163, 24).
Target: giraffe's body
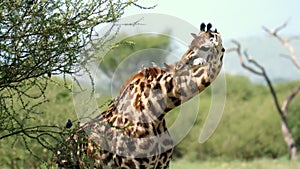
(132, 132)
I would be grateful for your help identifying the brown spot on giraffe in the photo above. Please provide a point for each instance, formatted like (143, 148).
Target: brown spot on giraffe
(132, 132)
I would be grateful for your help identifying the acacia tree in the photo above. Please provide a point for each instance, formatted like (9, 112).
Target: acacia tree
(39, 39)
(259, 70)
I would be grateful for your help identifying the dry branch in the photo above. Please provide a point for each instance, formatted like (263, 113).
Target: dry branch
(284, 108)
(259, 70)
(239, 52)
(287, 101)
(284, 42)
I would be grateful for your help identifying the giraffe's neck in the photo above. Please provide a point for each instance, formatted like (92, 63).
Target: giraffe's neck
(156, 91)
(193, 74)
(190, 80)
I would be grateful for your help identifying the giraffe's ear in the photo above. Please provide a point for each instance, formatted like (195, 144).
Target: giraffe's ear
(194, 35)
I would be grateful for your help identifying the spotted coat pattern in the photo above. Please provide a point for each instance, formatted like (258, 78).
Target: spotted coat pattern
(132, 132)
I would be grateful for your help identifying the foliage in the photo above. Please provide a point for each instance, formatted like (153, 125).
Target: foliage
(129, 54)
(249, 128)
(53, 115)
(128, 46)
(237, 164)
(46, 37)
(39, 39)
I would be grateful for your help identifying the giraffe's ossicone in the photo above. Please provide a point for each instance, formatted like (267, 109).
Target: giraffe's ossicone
(132, 132)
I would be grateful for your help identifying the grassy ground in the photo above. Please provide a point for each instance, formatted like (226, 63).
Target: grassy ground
(250, 131)
(256, 164)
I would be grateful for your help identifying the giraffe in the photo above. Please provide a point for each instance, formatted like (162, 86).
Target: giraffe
(132, 132)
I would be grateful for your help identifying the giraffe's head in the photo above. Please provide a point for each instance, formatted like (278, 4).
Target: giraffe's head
(206, 48)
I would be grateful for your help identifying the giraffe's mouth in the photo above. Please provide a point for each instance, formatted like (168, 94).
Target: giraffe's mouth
(199, 61)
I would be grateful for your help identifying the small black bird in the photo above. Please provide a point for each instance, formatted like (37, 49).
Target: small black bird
(69, 124)
(30, 3)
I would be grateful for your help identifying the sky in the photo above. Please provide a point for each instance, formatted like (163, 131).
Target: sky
(234, 18)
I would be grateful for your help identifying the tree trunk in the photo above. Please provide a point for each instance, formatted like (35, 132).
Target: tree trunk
(290, 142)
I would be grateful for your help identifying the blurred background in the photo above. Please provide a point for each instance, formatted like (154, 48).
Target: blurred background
(37, 71)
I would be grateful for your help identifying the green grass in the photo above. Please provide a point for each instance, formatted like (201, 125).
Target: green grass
(255, 164)
(59, 108)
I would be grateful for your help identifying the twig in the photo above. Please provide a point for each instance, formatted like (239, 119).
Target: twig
(284, 42)
(260, 72)
(287, 101)
(281, 110)
(238, 50)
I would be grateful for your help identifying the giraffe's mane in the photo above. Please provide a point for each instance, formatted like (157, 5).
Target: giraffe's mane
(133, 77)
(146, 73)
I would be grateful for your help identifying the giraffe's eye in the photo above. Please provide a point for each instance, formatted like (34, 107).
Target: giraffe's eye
(204, 48)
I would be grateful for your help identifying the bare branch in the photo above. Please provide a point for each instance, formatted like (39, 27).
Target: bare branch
(238, 51)
(251, 60)
(287, 101)
(276, 30)
(260, 72)
(281, 110)
(284, 42)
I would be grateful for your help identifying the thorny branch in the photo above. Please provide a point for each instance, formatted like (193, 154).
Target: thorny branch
(37, 41)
